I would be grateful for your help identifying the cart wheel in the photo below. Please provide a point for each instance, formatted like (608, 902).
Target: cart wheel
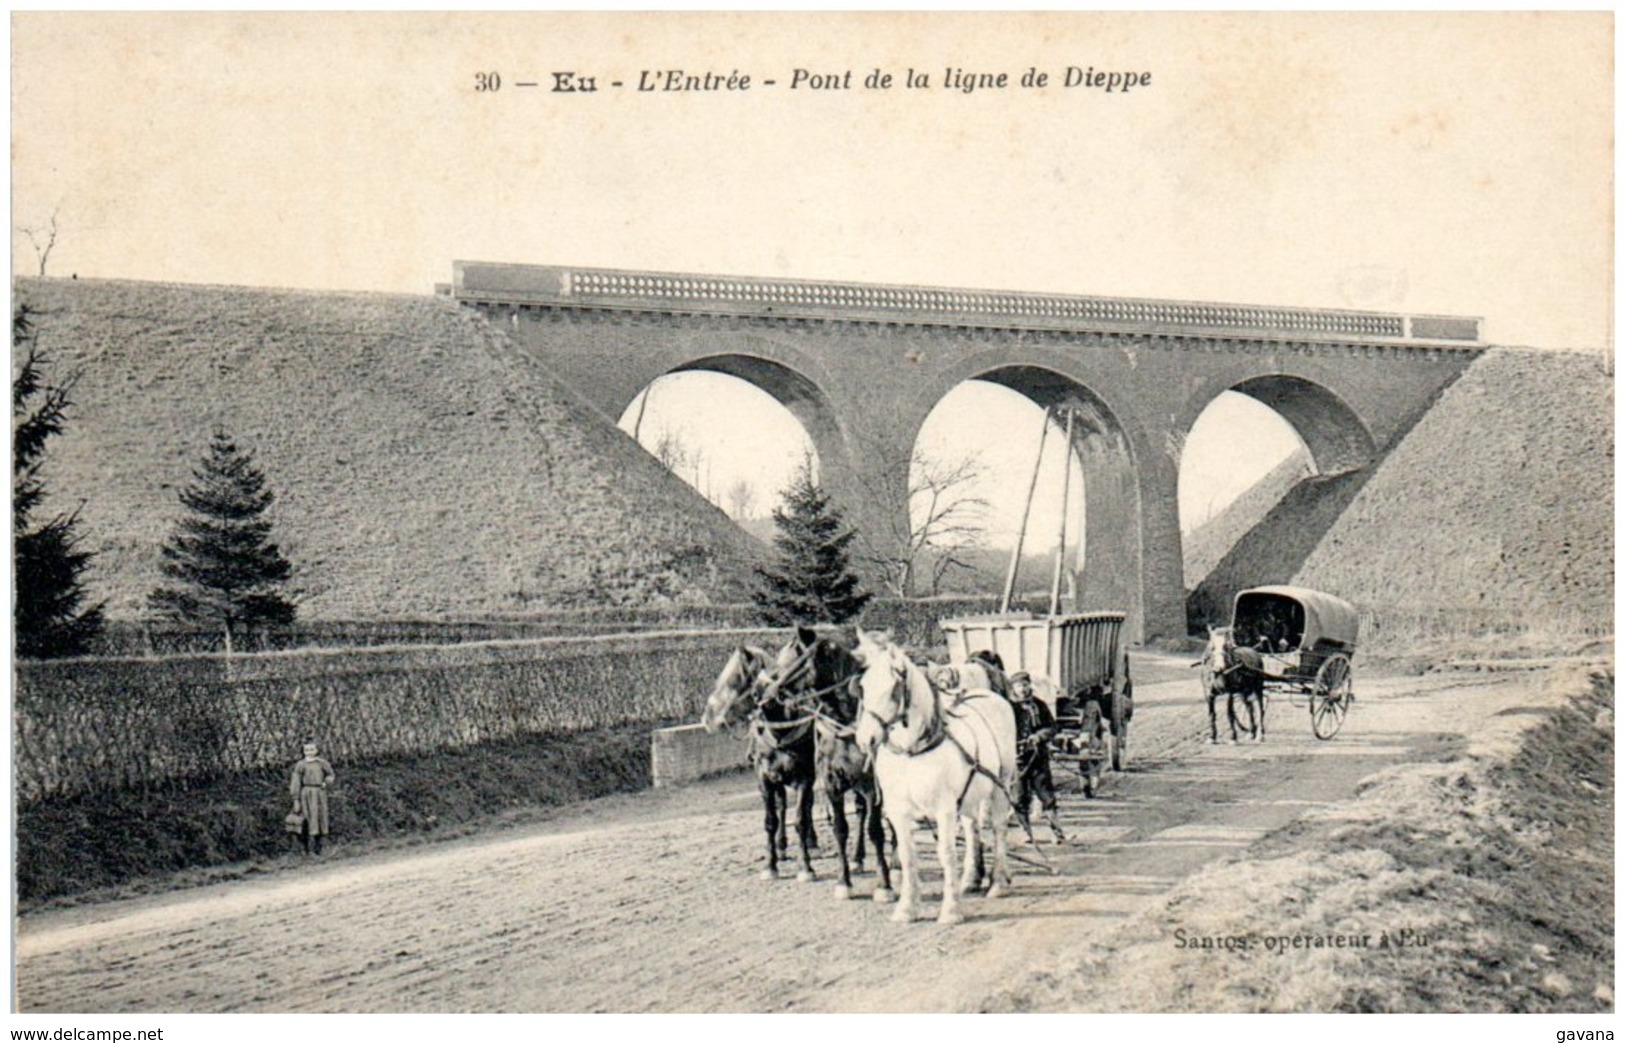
(1120, 714)
(1329, 702)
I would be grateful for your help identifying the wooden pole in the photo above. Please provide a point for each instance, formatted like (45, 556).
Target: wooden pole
(1021, 534)
(1060, 539)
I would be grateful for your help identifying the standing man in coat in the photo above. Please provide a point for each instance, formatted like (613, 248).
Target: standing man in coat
(1035, 726)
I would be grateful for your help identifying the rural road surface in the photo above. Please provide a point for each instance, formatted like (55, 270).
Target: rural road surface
(651, 902)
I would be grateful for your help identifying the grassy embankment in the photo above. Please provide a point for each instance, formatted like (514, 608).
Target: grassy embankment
(1498, 864)
(117, 844)
(425, 466)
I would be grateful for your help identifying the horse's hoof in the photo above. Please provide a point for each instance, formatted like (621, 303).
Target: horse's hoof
(769, 874)
(883, 895)
(996, 891)
(950, 917)
(857, 867)
(903, 914)
(806, 876)
(1232, 742)
(842, 893)
(1213, 742)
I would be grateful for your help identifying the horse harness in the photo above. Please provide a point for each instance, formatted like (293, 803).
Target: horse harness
(808, 701)
(769, 736)
(936, 732)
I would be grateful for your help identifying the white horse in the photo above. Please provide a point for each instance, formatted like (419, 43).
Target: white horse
(951, 762)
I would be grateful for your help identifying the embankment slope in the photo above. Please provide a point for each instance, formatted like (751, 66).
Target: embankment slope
(422, 468)
(1206, 546)
(1497, 508)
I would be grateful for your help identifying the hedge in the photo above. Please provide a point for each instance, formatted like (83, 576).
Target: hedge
(90, 725)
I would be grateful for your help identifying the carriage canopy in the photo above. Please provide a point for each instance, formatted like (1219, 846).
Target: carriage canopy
(1295, 618)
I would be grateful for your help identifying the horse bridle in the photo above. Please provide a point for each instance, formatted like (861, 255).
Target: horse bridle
(935, 734)
(930, 738)
(765, 689)
(807, 702)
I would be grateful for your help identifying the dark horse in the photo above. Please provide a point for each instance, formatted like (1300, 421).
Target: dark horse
(819, 675)
(1231, 671)
(782, 748)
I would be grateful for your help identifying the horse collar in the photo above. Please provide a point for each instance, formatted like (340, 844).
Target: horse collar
(930, 737)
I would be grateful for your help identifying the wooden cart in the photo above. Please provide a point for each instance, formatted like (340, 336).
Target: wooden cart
(1078, 666)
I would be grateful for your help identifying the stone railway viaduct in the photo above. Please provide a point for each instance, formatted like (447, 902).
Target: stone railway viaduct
(862, 365)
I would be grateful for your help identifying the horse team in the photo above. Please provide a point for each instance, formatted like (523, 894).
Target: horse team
(907, 746)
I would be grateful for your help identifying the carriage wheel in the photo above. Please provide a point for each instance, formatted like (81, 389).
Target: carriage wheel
(1329, 701)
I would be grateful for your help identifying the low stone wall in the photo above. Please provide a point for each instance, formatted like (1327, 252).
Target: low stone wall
(688, 753)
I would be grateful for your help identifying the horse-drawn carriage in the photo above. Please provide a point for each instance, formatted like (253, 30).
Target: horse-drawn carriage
(1287, 640)
(1078, 666)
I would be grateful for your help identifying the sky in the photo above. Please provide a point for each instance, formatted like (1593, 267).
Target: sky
(1431, 163)
(993, 430)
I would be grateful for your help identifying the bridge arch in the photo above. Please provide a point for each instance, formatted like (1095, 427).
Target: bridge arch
(1337, 438)
(1267, 541)
(1107, 572)
(793, 390)
(858, 471)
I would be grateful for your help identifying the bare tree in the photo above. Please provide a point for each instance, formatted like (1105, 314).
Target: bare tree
(741, 500)
(42, 240)
(952, 522)
(933, 529)
(670, 451)
(690, 464)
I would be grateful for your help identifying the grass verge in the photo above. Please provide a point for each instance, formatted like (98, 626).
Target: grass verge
(1482, 884)
(115, 845)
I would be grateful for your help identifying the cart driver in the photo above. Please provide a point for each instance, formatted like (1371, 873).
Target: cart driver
(995, 670)
(1035, 726)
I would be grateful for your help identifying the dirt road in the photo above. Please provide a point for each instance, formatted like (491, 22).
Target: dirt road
(652, 902)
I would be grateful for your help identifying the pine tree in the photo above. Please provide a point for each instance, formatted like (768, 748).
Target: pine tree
(228, 573)
(812, 581)
(50, 591)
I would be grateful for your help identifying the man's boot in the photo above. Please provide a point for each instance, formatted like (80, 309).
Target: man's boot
(1055, 826)
(318, 843)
